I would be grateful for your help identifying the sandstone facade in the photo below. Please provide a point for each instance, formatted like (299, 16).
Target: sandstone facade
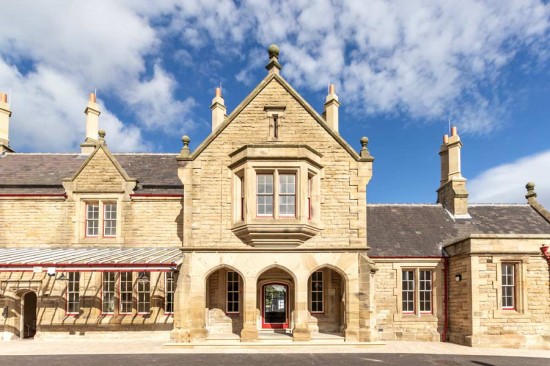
(264, 227)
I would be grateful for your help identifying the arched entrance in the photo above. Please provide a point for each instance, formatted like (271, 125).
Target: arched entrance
(327, 303)
(224, 302)
(28, 314)
(276, 299)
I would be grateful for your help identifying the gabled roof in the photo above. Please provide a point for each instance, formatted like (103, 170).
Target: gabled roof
(257, 90)
(33, 173)
(422, 230)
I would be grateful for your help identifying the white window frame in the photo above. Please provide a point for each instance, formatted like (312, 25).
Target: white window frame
(92, 219)
(286, 194)
(417, 291)
(143, 294)
(317, 287)
(233, 293)
(104, 219)
(124, 292)
(276, 193)
(266, 195)
(508, 284)
(170, 279)
(110, 219)
(73, 293)
(108, 292)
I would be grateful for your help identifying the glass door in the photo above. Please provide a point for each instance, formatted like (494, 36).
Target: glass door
(275, 306)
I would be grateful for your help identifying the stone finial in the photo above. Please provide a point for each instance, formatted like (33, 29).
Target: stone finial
(273, 51)
(273, 66)
(364, 150)
(185, 152)
(530, 190)
(101, 134)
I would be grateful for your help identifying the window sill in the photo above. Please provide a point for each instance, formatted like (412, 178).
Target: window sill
(415, 317)
(262, 232)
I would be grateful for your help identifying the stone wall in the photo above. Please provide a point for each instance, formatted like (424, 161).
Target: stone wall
(477, 315)
(209, 185)
(391, 322)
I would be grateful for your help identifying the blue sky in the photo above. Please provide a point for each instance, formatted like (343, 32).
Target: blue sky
(402, 69)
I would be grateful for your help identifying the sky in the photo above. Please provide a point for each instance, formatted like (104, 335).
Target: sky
(402, 71)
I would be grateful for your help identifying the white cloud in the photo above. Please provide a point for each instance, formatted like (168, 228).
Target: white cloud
(429, 59)
(506, 183)
(47, 114)
(57, 52)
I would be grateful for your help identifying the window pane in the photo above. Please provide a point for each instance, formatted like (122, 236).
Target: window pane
(126, 292)
(508, 286)
(73, 292)
(232, 292)
(407, 294)
(425, 291)
(108, 303)
(92, 219)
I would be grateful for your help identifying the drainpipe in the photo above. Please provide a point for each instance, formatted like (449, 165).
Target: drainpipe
(445, 296)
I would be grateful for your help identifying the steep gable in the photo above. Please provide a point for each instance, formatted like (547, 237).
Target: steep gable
(101, 172)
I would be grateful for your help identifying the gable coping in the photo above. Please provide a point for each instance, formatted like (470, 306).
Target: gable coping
(297, 97)
(113, 160)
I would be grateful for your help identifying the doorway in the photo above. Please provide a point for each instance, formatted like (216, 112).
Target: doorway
(28, 323)
(274, 306)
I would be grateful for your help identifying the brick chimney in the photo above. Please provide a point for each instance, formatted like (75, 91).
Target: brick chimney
(5, 114)
(331, 108)
(92, 113)
(218, 110)
(452, 192)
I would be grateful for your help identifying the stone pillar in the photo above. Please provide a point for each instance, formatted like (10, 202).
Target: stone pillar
(301, 330)
(250, 329)
(189, 305)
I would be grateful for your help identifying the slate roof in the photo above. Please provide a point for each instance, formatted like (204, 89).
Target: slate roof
(43, 173)
(422, 230)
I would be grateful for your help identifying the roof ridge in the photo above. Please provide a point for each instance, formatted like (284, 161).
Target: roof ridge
(497, 204)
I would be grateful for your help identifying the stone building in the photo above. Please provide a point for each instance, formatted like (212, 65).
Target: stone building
(263, 228)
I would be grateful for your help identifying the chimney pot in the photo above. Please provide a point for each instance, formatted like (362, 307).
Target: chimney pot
(92, 97)
(445, 139)
(218, 92)
(331, 89)
(453, 131)
(5, 114)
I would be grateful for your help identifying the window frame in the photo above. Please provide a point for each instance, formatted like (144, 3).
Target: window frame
(88, 205)
(312, 290)
(122, 300)
(512, 286)
(113, 292)
(234, 278)
(417, 290)
(143, 294)
(276, 194)
(101, 220)
(265, 194)
(73, 288)
(169, 290)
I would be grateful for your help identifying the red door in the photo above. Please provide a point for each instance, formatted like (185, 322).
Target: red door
(275, 306)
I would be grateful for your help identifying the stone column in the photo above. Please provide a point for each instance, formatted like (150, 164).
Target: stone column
(301, 313)
(250, 329)
(189, 305)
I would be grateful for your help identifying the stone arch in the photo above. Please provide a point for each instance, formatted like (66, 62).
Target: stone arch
(276, 287)
(224, 298)
(327, 299)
